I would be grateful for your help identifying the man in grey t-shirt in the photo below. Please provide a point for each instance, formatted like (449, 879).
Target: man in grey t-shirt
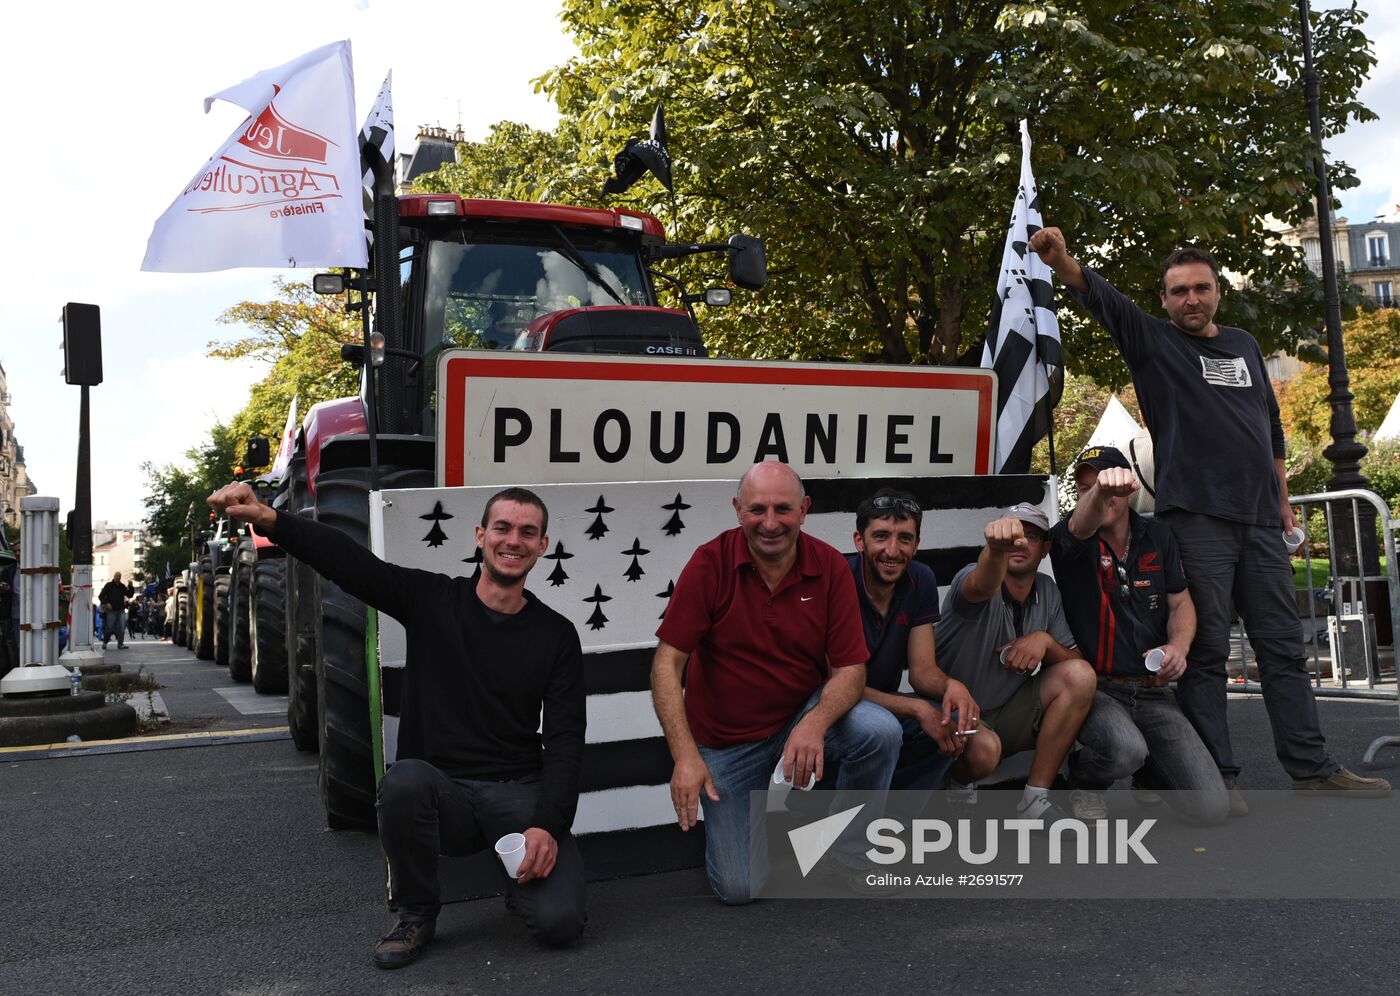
(1221, 487)
(1003, 634)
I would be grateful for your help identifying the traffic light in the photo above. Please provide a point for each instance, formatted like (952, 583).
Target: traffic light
(82, 344)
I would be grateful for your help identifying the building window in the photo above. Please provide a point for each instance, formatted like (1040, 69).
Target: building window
(1380, 292)
(1377, 249)
(1312, 254)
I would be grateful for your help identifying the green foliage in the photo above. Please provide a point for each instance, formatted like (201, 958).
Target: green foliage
(299, 334)
(175, 497)
(874, 146)
(1372, 345)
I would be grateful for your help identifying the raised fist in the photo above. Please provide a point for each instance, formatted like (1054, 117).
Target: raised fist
(1005, 535)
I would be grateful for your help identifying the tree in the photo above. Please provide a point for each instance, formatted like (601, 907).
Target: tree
(1373, 368)
(175, 497)
(874, 145)
(299, 334)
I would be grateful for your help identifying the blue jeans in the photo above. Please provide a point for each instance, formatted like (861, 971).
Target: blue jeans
(862, 747)
(1131, 727)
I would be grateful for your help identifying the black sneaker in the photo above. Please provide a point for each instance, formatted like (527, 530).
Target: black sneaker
(403, 944)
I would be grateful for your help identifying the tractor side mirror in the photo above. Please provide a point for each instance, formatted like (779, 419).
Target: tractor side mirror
(748, 263)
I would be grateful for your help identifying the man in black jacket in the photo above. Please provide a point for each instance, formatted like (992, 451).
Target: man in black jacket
(112, 599)
(473, 761)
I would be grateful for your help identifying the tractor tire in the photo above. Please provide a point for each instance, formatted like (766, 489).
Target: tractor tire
(177, 625)
(204, 620)
(303, 587)
(347, 776)
(240, 649)
(223, 628)
(267, 621)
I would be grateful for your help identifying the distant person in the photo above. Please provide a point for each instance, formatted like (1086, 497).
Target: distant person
(765, 627)
(1003, 634)
(491, 725)
(1223, 490)
(112, 600)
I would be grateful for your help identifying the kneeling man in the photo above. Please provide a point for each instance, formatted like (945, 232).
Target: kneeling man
(1125, 596)
(764, 625)
(474, 760)
(1003, 634)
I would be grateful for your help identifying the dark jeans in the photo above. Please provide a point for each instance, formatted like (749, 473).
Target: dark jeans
(1225, 559)
(9, 646)
(424, 813)
(114, 624)
(1131, 727)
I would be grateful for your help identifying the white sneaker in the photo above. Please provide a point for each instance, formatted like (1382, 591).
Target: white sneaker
(1088, 806)
(1041, 807)
(960, 795)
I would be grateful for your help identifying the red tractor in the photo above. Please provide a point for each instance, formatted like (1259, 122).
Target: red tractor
(452, 273)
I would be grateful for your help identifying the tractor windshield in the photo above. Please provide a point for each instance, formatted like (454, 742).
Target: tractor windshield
(480, 294)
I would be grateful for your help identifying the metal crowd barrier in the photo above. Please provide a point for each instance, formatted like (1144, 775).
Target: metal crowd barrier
(1349, 601)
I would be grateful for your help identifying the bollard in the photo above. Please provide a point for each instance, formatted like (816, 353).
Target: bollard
(38, 601)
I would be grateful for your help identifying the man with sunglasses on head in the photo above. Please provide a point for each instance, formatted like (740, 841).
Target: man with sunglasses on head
(1126, 600)
(898, 598)
(1003, 634)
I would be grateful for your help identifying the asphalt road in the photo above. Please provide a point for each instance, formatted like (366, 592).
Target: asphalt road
(206, 870)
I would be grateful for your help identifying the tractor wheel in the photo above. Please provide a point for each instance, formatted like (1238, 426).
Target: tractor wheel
(177, 625)
(347, 775)
(204, 620)
(302, 606)
(240, 653)
(267, 618)
(223, 630)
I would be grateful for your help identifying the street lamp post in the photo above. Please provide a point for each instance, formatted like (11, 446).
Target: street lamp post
(82, 365)
(1345, 451)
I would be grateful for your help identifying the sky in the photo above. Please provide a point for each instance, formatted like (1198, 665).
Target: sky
(106, 99)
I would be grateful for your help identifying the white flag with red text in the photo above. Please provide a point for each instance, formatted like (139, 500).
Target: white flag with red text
(284, 189)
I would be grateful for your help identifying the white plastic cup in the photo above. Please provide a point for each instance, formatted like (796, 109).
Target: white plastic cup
(511, 850)
(1153, 660)
(780, 779)
(1034, 671)
(1293, 539)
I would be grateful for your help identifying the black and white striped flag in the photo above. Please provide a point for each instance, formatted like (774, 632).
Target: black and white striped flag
(376, 149)
(1023, 336)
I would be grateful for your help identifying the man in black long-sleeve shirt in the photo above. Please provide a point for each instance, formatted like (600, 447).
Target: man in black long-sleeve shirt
(1221, 487)
(484, 658)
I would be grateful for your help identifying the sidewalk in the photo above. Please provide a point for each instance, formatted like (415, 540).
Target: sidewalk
(195, 695)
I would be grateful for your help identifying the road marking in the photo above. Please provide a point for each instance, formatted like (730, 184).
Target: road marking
(251, 703)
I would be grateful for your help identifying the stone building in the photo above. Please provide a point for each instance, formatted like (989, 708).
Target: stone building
(1367, 254)
(14, 479)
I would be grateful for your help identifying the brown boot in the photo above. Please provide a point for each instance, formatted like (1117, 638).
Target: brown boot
(403, 944)
(1345, 782)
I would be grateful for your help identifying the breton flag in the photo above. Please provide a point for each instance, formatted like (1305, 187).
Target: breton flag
(282, 190)
(637, 158)
(377, 149)
(1023, 336)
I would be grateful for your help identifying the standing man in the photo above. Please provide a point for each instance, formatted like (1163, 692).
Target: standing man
(475, 762)
(1223, 491)
(1125, 595)
(898, 598)
(112, 599)
(764, 626)
(1003, 634)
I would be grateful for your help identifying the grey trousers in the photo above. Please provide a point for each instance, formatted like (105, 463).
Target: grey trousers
(1249, 563)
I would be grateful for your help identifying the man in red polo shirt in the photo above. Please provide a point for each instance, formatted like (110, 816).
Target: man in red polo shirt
(767, 619)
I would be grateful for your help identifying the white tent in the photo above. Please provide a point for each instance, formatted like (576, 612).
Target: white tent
(1390, 425)
(1115, 426)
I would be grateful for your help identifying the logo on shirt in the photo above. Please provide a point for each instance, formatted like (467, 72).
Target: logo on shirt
(1148, 562)
(1233, 372)
(807, 598)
